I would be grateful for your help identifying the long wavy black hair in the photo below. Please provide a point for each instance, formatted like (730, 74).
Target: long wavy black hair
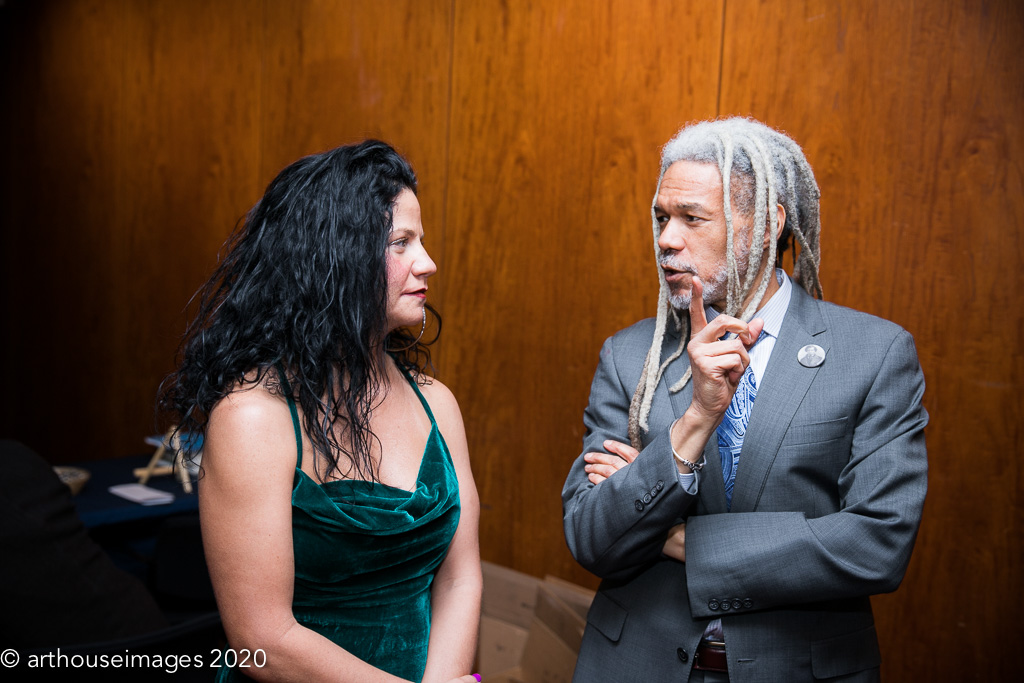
(302, 286)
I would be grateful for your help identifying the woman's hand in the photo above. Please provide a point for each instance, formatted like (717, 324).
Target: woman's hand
(600, 466)
(468, 678)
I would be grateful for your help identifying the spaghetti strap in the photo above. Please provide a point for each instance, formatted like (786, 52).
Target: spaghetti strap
(415, 387)
(295, 413)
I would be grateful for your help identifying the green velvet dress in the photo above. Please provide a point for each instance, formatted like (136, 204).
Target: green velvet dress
(366, 554)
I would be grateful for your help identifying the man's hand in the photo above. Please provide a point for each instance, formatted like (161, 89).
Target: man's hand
(717, 364)
(675, 544)
(600, 466)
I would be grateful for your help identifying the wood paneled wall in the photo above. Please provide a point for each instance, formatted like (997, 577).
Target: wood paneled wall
(137, 132)
(910, 114)
(556, 127)
(140, 132)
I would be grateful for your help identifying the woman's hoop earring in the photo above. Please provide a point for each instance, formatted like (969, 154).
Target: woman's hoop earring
(415, 341)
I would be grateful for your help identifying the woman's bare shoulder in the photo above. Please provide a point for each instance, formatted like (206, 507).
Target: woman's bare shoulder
(247, 400)
(446, 412)
(439, 396)
(251, 426)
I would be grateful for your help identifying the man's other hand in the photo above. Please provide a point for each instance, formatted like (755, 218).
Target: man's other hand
(600, 466)
(675, 544)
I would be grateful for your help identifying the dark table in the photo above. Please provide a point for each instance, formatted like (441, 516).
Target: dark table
(98, 507)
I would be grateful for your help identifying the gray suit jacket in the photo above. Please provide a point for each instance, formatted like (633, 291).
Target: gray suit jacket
(825, 510)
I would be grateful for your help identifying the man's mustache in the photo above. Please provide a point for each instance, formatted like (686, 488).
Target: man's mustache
(678, 265)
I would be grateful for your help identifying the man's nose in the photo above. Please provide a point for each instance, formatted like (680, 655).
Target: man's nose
(671, 237)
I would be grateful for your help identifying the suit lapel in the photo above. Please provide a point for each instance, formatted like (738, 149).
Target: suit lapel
(782, 389)
(665, 407)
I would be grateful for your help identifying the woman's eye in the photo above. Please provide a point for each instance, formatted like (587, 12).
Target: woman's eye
(400, 243)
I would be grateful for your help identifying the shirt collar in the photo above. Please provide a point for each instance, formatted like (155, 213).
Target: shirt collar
(774, 310)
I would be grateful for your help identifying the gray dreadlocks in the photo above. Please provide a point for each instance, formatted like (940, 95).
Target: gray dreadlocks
(760, 169)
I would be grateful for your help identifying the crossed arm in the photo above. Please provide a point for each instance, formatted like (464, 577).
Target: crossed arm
(604, 534)
(600, 466)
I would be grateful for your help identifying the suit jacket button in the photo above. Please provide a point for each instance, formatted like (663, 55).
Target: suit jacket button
(647, 498)
(682, 655)
(748, 603)
(660, 485)
(726, 605)
(654, 492)
(737, 603)
(713, 605)
(639, 506)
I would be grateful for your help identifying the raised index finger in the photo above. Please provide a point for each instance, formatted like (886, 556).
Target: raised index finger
(698, 319)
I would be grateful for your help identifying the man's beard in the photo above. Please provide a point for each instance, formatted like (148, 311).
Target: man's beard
(716, 285)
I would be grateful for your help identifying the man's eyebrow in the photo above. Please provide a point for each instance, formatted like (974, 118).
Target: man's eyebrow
(682, 207)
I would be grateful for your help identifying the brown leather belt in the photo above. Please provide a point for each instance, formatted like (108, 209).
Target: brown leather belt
(711, 657)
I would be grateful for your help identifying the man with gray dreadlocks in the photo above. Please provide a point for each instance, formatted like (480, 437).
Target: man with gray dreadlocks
(754, 463)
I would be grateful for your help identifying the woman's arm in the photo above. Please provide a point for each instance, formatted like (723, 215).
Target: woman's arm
(246, 513)
(455, 598)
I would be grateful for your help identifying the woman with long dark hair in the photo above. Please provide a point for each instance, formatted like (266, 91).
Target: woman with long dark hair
(340, 526)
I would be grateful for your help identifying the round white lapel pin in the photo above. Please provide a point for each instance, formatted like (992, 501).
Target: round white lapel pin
(811, 356)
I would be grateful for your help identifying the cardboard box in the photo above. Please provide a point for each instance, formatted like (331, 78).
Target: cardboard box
(547, 658)
(508, 595)
(500, 646)
(558, 617)
(575, 596)
(513, 675)
(506, 612)
(530, 630)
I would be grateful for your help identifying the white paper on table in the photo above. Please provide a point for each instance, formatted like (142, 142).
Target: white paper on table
(142, 494)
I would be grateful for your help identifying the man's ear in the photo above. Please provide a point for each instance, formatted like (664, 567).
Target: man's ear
(778, 228)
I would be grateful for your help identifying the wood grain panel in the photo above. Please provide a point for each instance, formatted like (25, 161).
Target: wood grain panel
(910, 114)
(136, 154)
(187, 171)
(339, 72)
(137, 132)
(144, 128)
(559, 110)
(62, 80)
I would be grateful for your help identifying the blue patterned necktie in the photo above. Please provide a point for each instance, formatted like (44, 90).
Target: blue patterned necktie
(734, 428)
